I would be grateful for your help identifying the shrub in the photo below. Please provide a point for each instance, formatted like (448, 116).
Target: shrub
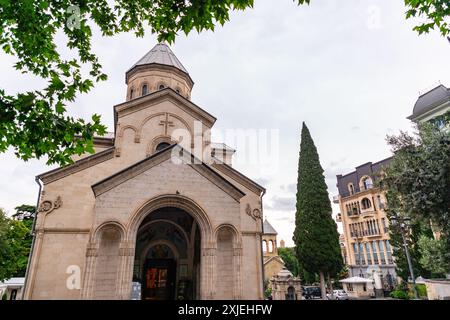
(399, 294)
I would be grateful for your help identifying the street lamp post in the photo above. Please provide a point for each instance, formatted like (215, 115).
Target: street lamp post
(403, 226)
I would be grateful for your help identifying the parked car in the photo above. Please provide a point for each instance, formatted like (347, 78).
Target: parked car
(338, 295)
(311, 292)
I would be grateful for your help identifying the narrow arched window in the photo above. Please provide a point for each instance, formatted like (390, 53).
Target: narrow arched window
(131, 94)
(351, 189)
(144, 89)
(270, 246)
(365, 203)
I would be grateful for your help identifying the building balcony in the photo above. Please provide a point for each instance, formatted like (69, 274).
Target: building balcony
(352, 215)
(374, 234)
(368, 212)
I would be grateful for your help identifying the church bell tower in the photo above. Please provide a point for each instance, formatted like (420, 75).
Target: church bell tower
(156, 70)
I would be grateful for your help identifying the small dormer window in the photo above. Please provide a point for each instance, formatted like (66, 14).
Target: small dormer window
(144, 89)
(367, 183)
(161, 86)
(178, 90)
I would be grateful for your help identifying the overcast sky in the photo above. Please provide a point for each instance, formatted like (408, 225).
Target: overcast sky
(352, 70)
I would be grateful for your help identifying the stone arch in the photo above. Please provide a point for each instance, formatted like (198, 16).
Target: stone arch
(151, 147)
(121, 131)
(237, 240)
(107, 224)
(107, 268)
(207, 250)
(229, 261)
(164, 242)
(170, 222)
(169, 200)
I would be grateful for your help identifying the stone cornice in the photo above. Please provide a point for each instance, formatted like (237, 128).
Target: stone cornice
(79, 165)
(64, 230)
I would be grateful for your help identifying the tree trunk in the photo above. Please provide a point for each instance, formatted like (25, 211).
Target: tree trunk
(322, 285)
(330, 287)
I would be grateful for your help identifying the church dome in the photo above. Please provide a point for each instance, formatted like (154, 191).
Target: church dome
(156, 70)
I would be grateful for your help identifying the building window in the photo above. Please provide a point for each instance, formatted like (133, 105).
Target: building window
(131, 94)
(349, 287)
(144, 89)
(264, 246)
(367, 183)
(270, 246)
(161, 86)
(383, 222)
(351, 189)
(389, 251)
(382, 258)
(162, 146)
(361, 252)
(369, 258)
(356, 253)
(380, 203)
(365, 203)
(375, 254)
(364, 287)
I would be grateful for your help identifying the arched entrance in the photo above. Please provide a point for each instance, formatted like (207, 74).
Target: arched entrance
(167, 255)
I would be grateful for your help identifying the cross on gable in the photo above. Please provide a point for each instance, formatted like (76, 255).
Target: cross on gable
(166, 123)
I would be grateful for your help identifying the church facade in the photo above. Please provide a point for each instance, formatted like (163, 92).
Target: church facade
(158, 210)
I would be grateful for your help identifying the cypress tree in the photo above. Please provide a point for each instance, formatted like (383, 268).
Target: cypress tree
(316, 236)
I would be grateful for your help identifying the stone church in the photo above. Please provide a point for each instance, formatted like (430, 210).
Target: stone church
(149, 211)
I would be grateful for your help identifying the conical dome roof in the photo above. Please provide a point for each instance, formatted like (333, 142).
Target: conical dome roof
(160, 55)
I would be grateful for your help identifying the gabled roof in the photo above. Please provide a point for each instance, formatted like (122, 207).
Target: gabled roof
(77, 166)
(429, 100)
(167, 93)
(267, 259)
(159, 157)
(268, 229)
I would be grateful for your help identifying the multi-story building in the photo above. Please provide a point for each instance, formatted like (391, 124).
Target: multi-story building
(365, 225)
(431, 104)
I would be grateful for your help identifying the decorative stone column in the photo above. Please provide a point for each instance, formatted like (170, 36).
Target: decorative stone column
(207, 275)
(125, 272)
(237, 263)
(89, 270)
